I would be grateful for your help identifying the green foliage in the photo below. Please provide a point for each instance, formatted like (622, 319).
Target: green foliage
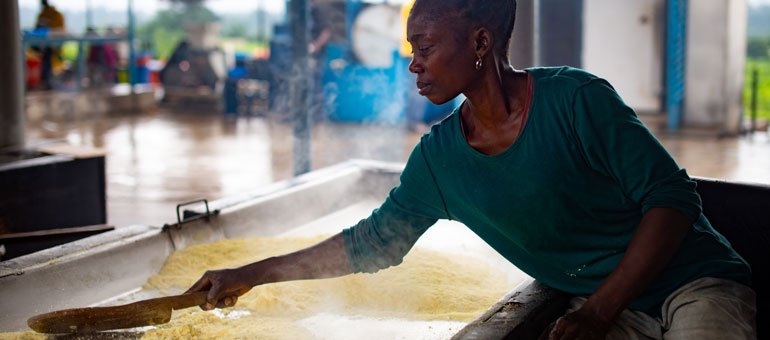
(236, 30)
(165, 41)
(763, 87)
(164, 31)
(69, 51)
(758, 59)
(758, 48)
(246, 46)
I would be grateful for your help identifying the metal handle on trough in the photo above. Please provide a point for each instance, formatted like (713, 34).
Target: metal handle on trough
(179, 217)
(180, 221)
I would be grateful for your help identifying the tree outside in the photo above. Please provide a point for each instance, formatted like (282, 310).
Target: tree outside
(248, 32)
(166, 29)
(758, 62)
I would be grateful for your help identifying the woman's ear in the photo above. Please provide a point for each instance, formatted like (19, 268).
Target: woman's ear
(482, 40)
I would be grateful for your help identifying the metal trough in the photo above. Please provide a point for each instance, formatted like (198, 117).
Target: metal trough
(102, 268)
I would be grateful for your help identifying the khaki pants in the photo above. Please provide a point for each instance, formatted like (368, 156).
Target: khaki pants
(707, 308)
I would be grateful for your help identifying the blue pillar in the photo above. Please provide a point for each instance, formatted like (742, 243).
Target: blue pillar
(676, 52)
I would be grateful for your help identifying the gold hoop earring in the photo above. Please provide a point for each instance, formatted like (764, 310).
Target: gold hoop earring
(478, 63)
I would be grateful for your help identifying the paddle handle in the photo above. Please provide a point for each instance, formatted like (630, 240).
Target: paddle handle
(187, 300)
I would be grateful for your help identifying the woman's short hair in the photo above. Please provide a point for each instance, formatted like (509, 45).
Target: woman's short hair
(498, 16)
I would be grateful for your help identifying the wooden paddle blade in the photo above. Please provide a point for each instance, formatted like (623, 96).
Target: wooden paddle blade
(94, 319)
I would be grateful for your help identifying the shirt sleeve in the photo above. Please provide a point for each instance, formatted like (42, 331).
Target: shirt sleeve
(383, 239)
(615, 143)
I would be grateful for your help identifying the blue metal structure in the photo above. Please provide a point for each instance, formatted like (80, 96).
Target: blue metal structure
(357, 92)
(346, 89)
(676, 51)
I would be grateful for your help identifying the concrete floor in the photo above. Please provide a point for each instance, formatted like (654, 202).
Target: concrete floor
(156, 160)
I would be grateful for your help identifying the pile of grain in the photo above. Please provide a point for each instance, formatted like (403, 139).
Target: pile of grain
(428, 285)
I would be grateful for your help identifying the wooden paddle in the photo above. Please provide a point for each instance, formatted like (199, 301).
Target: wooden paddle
(92, 319)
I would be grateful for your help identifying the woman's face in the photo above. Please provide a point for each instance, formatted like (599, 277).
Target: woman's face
(443, 60)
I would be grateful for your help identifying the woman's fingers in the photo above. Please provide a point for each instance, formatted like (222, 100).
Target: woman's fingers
(572, 326)
(222, 286)
(212, 299)
(202, 284)
(561, 330)
(557, 331)
(228, 301)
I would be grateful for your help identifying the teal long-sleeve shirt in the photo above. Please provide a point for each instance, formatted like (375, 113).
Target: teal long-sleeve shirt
(561, 203)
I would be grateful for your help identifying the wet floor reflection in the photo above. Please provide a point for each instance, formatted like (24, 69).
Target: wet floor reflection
(744, 158)
(156, 160)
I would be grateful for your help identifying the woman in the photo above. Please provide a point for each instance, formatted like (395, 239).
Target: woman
(554, 171)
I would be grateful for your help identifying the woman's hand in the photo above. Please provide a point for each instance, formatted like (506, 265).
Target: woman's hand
(655, 241)
(323, 260)
(224, 287)
(579, 325)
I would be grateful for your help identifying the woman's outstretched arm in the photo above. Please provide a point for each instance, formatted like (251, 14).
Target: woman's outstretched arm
(323, 260)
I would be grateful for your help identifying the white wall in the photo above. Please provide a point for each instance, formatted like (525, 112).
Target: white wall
(623, 42)
(716, 52)
(706, 57)
(736, 62)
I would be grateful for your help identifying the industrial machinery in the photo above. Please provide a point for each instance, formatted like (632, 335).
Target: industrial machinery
(361, 74)
(194, 74)
(367, 77)
(364, 79)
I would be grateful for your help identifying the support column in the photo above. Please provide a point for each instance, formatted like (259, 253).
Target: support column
(132, 73)
(676, 54)
(560, 32)
(523, 46)
(300, 91)
(11, 90)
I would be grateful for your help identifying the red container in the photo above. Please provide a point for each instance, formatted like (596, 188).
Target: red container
(34, 70)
